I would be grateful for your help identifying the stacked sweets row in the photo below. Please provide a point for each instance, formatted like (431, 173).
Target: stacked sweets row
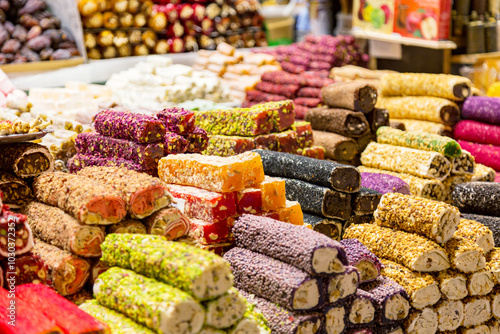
(447, 264)
(269, 126)
(305, 282)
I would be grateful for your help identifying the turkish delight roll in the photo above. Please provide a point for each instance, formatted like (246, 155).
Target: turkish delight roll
(419, 140)
(224, 146)
(477, 233)
(174, 143)
(357, 96)
(291, 213)
(432, 219)
(116, 321)
(16, 192)
(283, 321)
(477, 132)
(202, 274)
(390, 300)
(384, 183)
(57, 228)
(495, 302)
(480, 329)
(274, 280)
(341, 286)
(493, 264)
(341, 121)
(253, 322)
(422, 108)
(482, 109)
(450, 314)
(361, 310)
(480, 283)
(453, 284)
(335, 321)
(477, 310)
(406, 160)
(145, 155)
(226, 310)
(324, 173)
(422, 288)
(15, 234)
(310, 102)
(133, 226)
(390, 329)
(493, 223)
(451, 182)
(282, 78)
(132, 294)
(169, 223)
(421, 321)
(397, 124)
(98, 267)
(309, 92)
(413, 251)
(337, 147)
(465, 255)
(87, 200)
(281, 241)
(26, 159)
(177, 120)
(354, 219)
(197, 140)
(378, 118)
(488, 155)
(465, 163)
(277, 89)
(68, 273)
(478, 197)
(136, 127)
(259, 97)
(359, 256)
(80, 161)
(452, 87)
(319, 200)
(483, 173)
(425, 126)
(28, 268)
(332, 228)
(365, 201)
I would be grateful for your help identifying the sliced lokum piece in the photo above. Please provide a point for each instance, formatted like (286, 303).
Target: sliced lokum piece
(291, 213)
(319, 200)
(453, 284)
(169, 223)
(249, 201)
(273, 193)
(494, 325)
(132, 294)
(177, 120)
(16, 236)
(198, 140)
(477, 310)
(341, 121)
(493, 264)
(295, 245)
(332, 228)
(361, 310)
(68, 273)
(493, 223)
(477, 132)
(378, 118)
(422, 288)
(480, 329)
(54, 226)
(324, 173)
(421, 321)
(274, 280)
(413, 251)
(267, 142)
(337, 147)
(29, 268)
(364, 219)
(136, 127)
(495, 301)
(480, 283)
(133, 226)
(483, 173)
(432, 219)
(117, 322)
(304, 133)
(26, 159)
(450, 314)
(224, 146)
(98, 268)
(174, 143)
(465, 255)
(80, 161)
(477, 233)
(384, 183)
(207, 233)
(478, 197)
(465, 163)
(226, 310)
(203, 274)
(253, 322)
(145, 155)
(365, 201)
(287, 141)
(359, 256)
(390, 329)
(341, 286)
(357, 96)
(406, 160)
(203, 204)
(482, 109)
(315, 152)
(335, 321)
(16, 192)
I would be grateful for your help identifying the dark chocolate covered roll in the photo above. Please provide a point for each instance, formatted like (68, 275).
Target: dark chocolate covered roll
(356, 96)
(332, 228)
(397, 125)
(337, 147)
(378, 118)
(341, 121)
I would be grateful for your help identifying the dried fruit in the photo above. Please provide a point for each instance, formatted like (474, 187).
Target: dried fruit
(20, 33)
(29, 54)
(45, 54)
(60, 55)
(28, 21)
(11, 46)
(31, 7)
(39, 43)
(34, 32)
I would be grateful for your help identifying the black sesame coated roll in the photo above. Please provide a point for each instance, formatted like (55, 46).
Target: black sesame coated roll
(365, 202)
(478, 197)
(332, 228)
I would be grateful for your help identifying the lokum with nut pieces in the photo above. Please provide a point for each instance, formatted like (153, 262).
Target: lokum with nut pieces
(425, 126)
(170, 223)
(341, 286)
(480, 329)
(258, 97)
(480, 283)
(384, 183)
(274, 280)
(421, 321)
(304, 133)
(451, 182)
(477, 310)
(174, 143)
(477, 132)
(296, 245)
(421, 108)
(26, 159)
(253, 322)
(332, 228)
(16, 192)
(452, 87)
(310, 102)
(378, 118)
(133, 226)
(453, 284)
(87, 200)
(54, 226)
(432, 219)
(357, 96)
(341, 121)
(483, 173)
(80, 161)
(226, 310)
(359, 256)
(411, 250)
(144, 194)
(319, 200)
(315, 152)
(67, 272)
(494, 325)
(197, 140)
(465, 256)
(225, 146)
(249, 201)
(202, 274)
(98, 267)
(286, 90)
(22, 237)
(365, 201)
(177, 120)
(136, 127)
(478, 197)
(482, 109)
(422, 288)
(490, 222)
(406, 160)
(282, 78)
(134, 295)
(488, 155)
(291, 213)
(334, 320)
(207, 233)
(361, 310)
(29, 268)
(495, 302)
(477, 233)
(450, 314)
(337, 147)
(493, 264)
(273, 193)
(464, 164)
(220, 174)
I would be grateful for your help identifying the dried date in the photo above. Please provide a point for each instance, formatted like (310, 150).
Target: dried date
(39, 43)
(34, 32)
(28, 21)
(30, 54)
(11, 46)
(20, 33)
(31, 7)
(45, 54)
(60, 54)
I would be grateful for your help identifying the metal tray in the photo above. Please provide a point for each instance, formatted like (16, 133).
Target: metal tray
(19, 138)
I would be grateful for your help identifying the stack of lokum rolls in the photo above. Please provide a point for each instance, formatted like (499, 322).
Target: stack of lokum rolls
(305, 282)
(447, 264)
(479, 131)
(423, 102)
(431, 164)
(269, 126)
(350, 73)
(349, 121)
(159, 286)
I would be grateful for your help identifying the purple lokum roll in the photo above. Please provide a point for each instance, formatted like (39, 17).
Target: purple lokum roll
(487, 155)
(361, 310)
(359, 256)
(384, 183)
(198, 140)
(282, 321)
(482, 109)
(144, 155)
(274, 280)
(299, 246)
(477, 132)
(174, 143)
(335, 319)
(341, 286)
(81, 161)
(177, 120)
(131, 126)
(390, 300)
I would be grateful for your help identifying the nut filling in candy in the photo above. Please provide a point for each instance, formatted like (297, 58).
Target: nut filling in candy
(335, 319)
(477, 310)
(420, 322)
(16, 192)
(450, 314)
(453, 285)
(342, 286)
